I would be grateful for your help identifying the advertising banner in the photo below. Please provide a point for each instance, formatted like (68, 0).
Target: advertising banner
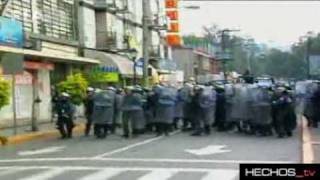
(11, 32)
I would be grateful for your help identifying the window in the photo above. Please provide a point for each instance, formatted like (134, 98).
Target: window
(56, 18)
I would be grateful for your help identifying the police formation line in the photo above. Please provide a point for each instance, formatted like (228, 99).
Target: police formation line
(197, 109)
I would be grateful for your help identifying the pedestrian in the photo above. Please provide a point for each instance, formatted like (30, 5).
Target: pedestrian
(132, 111)
(65, 111)
(103, 112)
(165, 109)
(88, 105)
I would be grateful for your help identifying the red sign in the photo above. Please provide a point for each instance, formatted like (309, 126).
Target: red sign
(174, 40)
(171, 3)
(173, 15)
(38, 65)
(174, 27)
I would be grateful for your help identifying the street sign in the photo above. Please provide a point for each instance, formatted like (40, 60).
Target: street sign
(12, 63)
(139, 62)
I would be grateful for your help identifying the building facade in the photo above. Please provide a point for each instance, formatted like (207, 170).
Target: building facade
(50, 51)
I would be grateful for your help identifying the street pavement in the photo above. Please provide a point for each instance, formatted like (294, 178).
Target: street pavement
(176, 157)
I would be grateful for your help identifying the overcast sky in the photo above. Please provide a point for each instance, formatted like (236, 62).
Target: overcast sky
(278, 24)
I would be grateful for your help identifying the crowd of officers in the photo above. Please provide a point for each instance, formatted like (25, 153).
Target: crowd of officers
(310, 99)
(197, 109)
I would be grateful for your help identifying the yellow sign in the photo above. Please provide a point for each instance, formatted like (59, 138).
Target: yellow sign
(105, 77)
(110, 77)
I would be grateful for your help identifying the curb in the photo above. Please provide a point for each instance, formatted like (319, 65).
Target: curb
(23, 138)
(307, 150)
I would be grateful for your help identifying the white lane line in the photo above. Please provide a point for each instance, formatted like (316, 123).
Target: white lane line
(5, 172)
(46, 175)
(214, 161)
(225, 174)
(131, 146)
(81, 168)
(41, 151)
(105, 174)
(158, 175)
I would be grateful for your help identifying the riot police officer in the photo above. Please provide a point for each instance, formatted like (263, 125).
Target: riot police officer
(285, 117)
(205, 100)
(165, 109)
(103, 111)
(132, 109)
(65, 111)
(88, 104)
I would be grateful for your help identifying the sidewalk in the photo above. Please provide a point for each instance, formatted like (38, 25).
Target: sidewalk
(315, 142)
(46, 131)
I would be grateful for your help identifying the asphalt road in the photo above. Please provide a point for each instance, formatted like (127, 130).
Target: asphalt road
(177, 157)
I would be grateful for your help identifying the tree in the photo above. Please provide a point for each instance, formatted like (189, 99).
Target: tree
(75, 85)
(4, 93)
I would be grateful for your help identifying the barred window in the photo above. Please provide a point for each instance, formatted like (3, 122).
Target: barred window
(20, 10)
(56, 18)
(53, 18)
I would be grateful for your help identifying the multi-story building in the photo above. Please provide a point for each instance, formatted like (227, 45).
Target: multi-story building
(118, 30)
(63, 35)
(49, 46)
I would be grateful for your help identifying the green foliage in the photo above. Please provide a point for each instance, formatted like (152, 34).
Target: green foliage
(4, 92)
(75, 85)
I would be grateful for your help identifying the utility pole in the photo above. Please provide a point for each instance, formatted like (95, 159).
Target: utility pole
(224, 47)
(147, 38)
(308, 57)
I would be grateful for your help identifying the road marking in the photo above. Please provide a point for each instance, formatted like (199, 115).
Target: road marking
(108, 173)
(132, 146)
(58, 169)
(8, 172)
(225, 174)
(158, 175)
(209, 150)
(41, 151)
(103, 175)
(215, 161)
(46, 175)
(307, 151)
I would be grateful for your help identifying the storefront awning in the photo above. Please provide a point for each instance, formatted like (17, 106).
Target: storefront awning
(124, 65)
(48, 56)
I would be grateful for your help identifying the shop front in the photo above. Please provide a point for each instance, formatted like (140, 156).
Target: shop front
(118, 70)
